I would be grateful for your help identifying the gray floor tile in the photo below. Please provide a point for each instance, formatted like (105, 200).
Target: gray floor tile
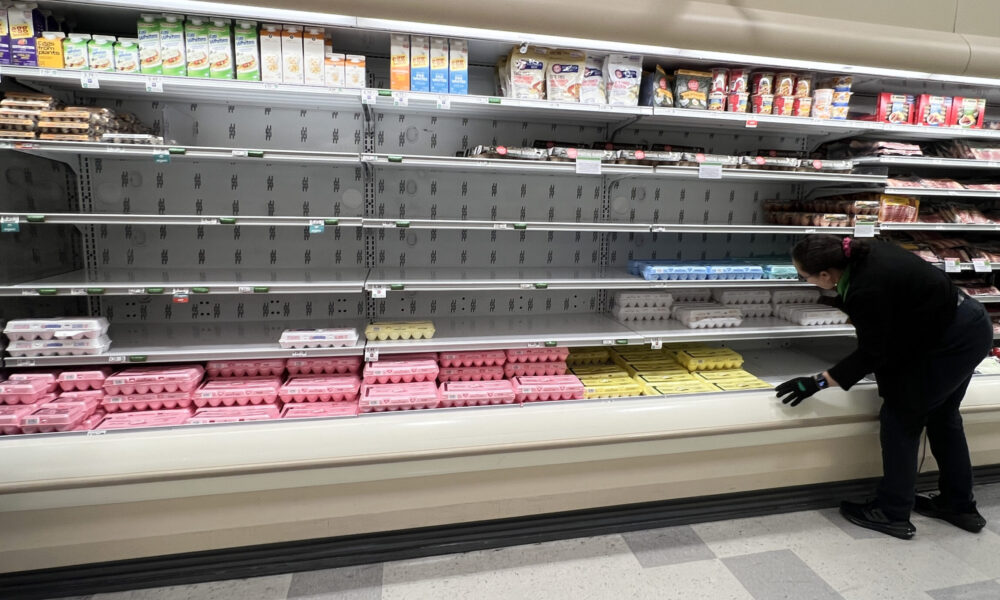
(274, 587)
(858, 533)
(984, 590)
(779, 575)
(988, 495)
(667, 546)
(363, 582)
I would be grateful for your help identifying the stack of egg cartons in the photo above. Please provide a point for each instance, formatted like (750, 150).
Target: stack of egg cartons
(650, 368)
(57, 337)
(800, 306)
(642, 306)
(150, 396)
(21, 396)
(719, 368)
(318, 338)
(534, 388)
(705, 315)
(321, 387)
(753, 303)
(476, 378)
(400, 382)
(237, 391)
(603, 380)
(34, 405)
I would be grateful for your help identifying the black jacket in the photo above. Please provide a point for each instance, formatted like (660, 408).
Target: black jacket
(900, 306)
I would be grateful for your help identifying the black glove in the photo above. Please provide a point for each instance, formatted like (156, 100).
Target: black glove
(796, 390)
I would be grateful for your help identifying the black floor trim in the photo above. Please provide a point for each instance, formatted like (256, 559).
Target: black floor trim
(308, 555)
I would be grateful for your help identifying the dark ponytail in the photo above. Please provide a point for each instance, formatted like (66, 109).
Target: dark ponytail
(823, 252)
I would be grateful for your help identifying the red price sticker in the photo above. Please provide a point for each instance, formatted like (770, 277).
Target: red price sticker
(751, 122)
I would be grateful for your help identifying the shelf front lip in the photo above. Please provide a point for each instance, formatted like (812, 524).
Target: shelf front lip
(938, 227)
(505, 225)
(902, 191)
(505, 342)
(736, 174)
(987, 299)
(748, 229)
(927, 161)
(215, 288)
(501, 106)
(119, 356)
(554, 283)
(190, 152)
(195, 220)
(745, 333)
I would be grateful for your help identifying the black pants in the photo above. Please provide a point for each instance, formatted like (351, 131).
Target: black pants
(946, 377)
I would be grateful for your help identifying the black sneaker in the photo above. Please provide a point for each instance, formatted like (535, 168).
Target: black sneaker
(971, 521)
(870, 516)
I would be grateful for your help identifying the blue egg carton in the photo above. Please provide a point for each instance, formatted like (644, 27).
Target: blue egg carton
(780, 272)
(675, 272)
(734, 270)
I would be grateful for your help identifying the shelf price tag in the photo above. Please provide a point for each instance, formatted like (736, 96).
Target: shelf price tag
(952, 265)
(709, 171)
(317, 226)
(751, 123)
(501, 226)
(77, 292)
(371, 354)
(116, 358)
(444, 102)
(369, 96)
(864, 230)
(982, 265)
(400, 99)
(181, 299)
(89, 81)
(154, 85)
(9, 225)
(24, 362)
(241, 153)
(379, 291)
(300, 354)
(137, 291)
(588, 166)
(656, 344)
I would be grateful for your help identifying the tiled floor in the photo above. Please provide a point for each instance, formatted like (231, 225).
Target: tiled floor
(813, 555)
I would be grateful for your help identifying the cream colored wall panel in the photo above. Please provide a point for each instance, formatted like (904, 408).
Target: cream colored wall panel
(978, 17)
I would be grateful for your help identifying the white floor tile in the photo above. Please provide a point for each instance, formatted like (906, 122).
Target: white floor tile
(274, 587)
(980, 550)
(771, 532)
(698, 580)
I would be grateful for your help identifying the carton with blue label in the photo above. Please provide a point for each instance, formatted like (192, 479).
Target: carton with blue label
(420, 63)
(439, 65)
(458, 66)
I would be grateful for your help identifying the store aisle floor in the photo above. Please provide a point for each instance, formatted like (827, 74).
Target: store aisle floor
(812, 555)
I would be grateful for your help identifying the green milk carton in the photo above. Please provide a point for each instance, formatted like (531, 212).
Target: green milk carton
(247, 54)
(220, 49)
(149, 44)
(196, 47)
(172, 45)
(127, 55)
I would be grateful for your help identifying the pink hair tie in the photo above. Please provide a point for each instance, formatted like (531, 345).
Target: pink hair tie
(847, 247)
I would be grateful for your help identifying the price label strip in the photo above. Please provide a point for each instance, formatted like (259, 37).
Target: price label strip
(982, 265)
(709, 171)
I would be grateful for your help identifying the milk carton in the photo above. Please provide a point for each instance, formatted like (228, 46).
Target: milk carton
(75, 53)
(354, 71)
(220, 49)
(439, 65)
(334, 70)
(23, 52)
(270, 53)
(101, 52)
(291, 55)
(313, 56)
(149, 44)
(420, 63)
(25, 21)
(399, 62)
(196, 47)
(247, 56)
(50, 50)
(127, 57)
(4, 35)
(172, 50)
(458, 66)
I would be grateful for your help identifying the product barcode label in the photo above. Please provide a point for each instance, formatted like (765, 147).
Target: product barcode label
(588, 166)
(379, 291)
(952, 265)
(89, 81)
(371, 354)
(709, 171)
(444, 102)
(154, 85)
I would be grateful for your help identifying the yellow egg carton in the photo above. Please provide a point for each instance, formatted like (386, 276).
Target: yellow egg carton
(725, 375)
(665, 377)
(738, 385)
(612, 389)
(400, 330)
(588, 356)
(681, 387)
(710, 360)
(638, 368)
(606, 379)
(581, 370)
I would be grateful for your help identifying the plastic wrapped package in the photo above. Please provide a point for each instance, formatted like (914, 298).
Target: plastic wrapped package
(148, 418)
(318, 338)
(234, 414)
(337, 388)
(724, 296)
(238, 391)
(470, 373)
(473, 358)
(803, 296)
(245, 368)
(711, 359)
(333, 365)
(476, 393)
(622, 78)
(537, 354)
(509, 152)
(71, 347)
(539, 389)
(643, 299)
(400, 330)
(400, 371)
(154, 380)
(398, 396)
(314, 410)
(511, 370)
(83, 379)
(139, 402)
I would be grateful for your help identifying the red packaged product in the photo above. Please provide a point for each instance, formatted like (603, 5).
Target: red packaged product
(717, 101)
(802, 107)
(967, 112)
(762, 103)
(738, 102)
(783, 105)
(804, 86)
(762, 82)
(739, 81)
(898, 109)
(784, 84)
(720, 80)
(933, 111)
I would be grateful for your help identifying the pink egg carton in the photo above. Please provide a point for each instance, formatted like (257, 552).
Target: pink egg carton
(149, 418)
(512, 370)
(398, 396)
(336, 388)
(24, 392)
(476, 393)
(154, 380)
(140, 402)
(84, 380)
(92, 421)
(312, 410)
(333, 365)
(409, 356)
(234, 414)
(58, 328)
(559, 387)
(46, 376)
(82, 396)
(238, 391)
(11, 415)
(470, 373)
(245, 368)
(474, 358)
(56, 416)
(400, 371)
(520, 355)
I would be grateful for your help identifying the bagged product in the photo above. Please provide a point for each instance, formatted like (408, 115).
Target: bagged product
(245, 48)
(623, 74)
(691, 88)
(592, 88)
(503, 76)
(149, 44)
(657, 88)
(564, 75)
(313, 56)
(127, 55)
(101, 53)
(420, 63)
(270, 53)
(292, 67)
(172, 51)
(527, 73)
(439, 65)
(196, 47)
(50, 50)
(220, 49)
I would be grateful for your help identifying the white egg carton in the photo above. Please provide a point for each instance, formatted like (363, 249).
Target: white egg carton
(691, 295)
(86, 346)
(643, 299)
(318, 338)
(730, 297)
(636, 313)
(56, 329)
(708, 315)
(756, 311)
(812, 314)
(806, 296)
